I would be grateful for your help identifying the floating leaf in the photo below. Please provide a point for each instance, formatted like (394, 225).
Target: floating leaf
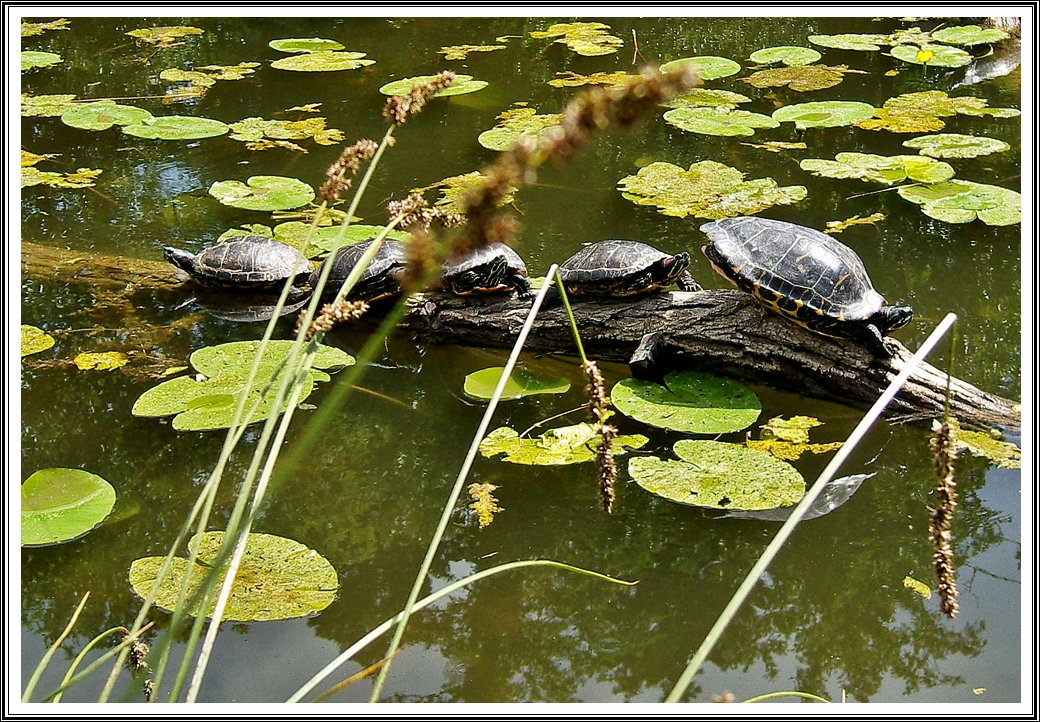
(823, 114)
(777, 146)
(103, 115)
(916, 586)
(786, 54)
(569, 79)
(802, 78)
(176, 127)
(835, 493)
(46, 106)
(279, 578)
(305, 45)
(516, 122)
(690, 401)
(263, 193)
(176, 75)
(459, 52)
(956, 145)
(707, 98)
(35, 340)
(30, 29)
(851, 41)
(255, 129)
(1002, 453)
(208, 75)
(969, 35)
(708, 67)
(920, 112)
(164, 37)
(839, 226)
(323, 240)
(789, 438)
(482, 384)
(707, 190)
(718, 121)
(484, 505)
(38, 59)
(564, 445)
(456, 187)
(81, 178)
(958, 201)
(59, 505)
(942, 56)
(463, 84)
(719, 476)
(880, 168)
(587, 39)
(105, 361)
(323, 61)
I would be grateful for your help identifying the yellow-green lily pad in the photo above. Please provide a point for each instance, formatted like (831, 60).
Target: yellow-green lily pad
(789, 438)
(38, 59)
(35, 340)
(103, 115)
(956, 145)
(323, 61)
(30, 29)
(790, 55)
(707, 98)
(59, 505)
(103, 361)
(255, 129)
(460, 86)
(564, 445)
(718, 121)
(851, 41)
(1002, 453)
(455, 188)
(324, 239)
(802, 78)
(880, 168)
(689, 401)
(278, 578)
(707, 67)
(585, 38)
(305, 45)
(570, 79)
(263, 193)
(459, 52)
(47, 106)
(482, 384)
(514, 123)
(165, 36)
(958, 201)
(823, 114)
(176, 127)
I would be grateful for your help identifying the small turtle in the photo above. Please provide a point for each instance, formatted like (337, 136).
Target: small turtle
(254, 263)
(379, 280)
(805, 275)
(495, 268)
(624, 268)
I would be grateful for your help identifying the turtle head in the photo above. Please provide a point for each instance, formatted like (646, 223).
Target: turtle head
(889, 318)
(180, 258)
(668, 270)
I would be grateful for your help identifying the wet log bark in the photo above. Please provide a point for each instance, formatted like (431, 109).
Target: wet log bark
(724, 332)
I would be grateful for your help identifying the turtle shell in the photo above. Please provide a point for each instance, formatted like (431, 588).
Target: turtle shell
(252, 262)
(621, 268)
(490, 269)
(796, 271)
(380, 279)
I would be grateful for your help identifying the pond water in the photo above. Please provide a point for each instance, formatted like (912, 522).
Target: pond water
(832, 617)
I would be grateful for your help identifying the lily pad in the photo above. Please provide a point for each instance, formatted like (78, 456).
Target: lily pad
(718, 121)
(176, 127)
(463, 84)
(482, 384)
(789, 438)
(59, 505)
(707, 98)
(102, 116)
(278, 578)
(30, 29)
(323, 61)
(834, 494)
(570, 79)
(455, 188)
(81, 178)
(514, 123)
(305, 45)
(720, 476)
(263, 193)
(969, 35)
(104, 361)
(707, 190)
(256, 129)
(790, 55)
(920, 587)
(459, 52)
(958, 201)
(1002, 453)
(851, 41)
(207, 75)
(325, 239)
(921, 112)
(165, 36)
(823, 114)
(690, 401)
(803, 78)
(708, 67)
(880, 168)
(587, 39)
(46, 106)
(35, 340)
(942, 56)
(38, 59)
(956, 145)
(564, 445)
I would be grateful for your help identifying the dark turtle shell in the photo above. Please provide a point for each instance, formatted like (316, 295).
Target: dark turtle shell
(381, 278)
(804, 275)
(624, 268)
(254, 262)
(495, 268)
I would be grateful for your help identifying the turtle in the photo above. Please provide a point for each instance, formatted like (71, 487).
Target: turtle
(380, 279)
(624, 268)
(806, 276)
(255, 263)
(495, 268)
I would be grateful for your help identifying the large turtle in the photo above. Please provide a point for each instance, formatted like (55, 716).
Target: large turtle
(255, 263)
(624, 268)
(380, 279)
(804, 275)
(494, 268)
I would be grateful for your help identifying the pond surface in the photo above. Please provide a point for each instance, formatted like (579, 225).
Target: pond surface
(832, 616)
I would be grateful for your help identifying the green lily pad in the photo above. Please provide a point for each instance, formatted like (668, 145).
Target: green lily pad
(35, 340)
(209, 403)
(564, 445)
(59, 505)
(324, 239)
(278, 578)
(790, 55)
(463, 84)
(708, 67)
(165, 36)
(263, 193)
(104, 361)
(102, 116)
(1003, 453)
(880, 168)
(707, 98)
(516, 122)
(958, 201)
(482, 384)
(690, 401)
(176, 127)
(38, 59)
(823, 114)
(802, 78)
(942, 56)
(718, 121)
(707, 190)
(305, 45)
(46, 106)
(969, 35)
(323, 61)
(587, 39)
(720, 476)
(851, 41)
(956, 145)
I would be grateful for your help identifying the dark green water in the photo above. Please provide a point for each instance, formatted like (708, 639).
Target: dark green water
(832, 615)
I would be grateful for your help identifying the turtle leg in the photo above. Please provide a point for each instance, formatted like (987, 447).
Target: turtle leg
(871, 336)
(522, 285)
(686, 282)
(647, 361)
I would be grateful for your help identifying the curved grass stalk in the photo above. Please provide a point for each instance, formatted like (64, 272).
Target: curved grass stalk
(792, 693)
(123, 645)
(79, 658)
(803, 506)
(453, 497)
(46, 659)
(426, 601)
